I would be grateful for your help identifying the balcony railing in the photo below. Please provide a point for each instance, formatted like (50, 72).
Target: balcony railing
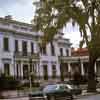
(26, 55)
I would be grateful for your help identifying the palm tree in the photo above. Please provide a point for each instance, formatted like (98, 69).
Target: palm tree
(53, 15)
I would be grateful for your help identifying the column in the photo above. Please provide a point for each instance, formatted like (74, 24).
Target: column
(20, 45)
(95, 68)
(36, 48)
(58, 70)
(11, 69)
(69, 67)
(82, 68)
(37, 69)
(21, 66)
(41, 70)
(29, 46)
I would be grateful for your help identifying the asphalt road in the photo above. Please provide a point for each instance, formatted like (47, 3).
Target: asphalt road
(92, 97)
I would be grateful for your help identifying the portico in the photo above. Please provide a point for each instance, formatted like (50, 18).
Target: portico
(77, 63)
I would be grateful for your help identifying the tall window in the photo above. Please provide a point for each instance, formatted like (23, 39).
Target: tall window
(6, 44)
(61, 51)
(52, 49)
(24, 47)
(32, 47)
(45, 71)
(67, 52)
(16, 45)
(32, 68)
(43, 50)
(7, 69)
(53, 71)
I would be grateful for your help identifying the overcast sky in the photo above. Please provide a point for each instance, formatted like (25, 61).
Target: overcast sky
(23, 10)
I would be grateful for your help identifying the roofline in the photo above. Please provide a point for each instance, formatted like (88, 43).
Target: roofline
(14, 21)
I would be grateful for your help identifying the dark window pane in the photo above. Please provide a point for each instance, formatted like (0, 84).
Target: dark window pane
(52, 49)
(43, 50)
(45, 71)
(24, 48)
(6, 69)
(32, 47)
(16, 45)
(61, 51)
(53, 71)
(6, 44)
(67, 52)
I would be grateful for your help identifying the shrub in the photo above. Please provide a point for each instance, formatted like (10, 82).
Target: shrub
(8, 83)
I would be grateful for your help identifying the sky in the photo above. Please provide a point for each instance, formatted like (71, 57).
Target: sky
(24, 10)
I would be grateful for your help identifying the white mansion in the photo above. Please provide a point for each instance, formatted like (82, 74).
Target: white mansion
(21, 55)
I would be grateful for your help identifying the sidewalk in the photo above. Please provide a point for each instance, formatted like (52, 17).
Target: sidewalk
(85, 93)
(14, 94)
(17, 98)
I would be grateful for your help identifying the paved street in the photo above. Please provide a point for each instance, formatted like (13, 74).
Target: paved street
(93, 97)
(22, 98)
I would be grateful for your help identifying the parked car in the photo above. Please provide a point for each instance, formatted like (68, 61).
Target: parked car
(52, 92)
(73, 89)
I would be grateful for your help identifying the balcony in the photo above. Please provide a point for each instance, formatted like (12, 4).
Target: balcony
(26, 55)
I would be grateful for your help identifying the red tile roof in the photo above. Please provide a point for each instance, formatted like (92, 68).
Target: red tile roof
(79, 52)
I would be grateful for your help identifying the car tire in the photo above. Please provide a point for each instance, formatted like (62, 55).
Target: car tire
(51, 98)
(72, 98)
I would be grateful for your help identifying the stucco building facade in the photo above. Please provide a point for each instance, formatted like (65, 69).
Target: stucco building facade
(21, 56)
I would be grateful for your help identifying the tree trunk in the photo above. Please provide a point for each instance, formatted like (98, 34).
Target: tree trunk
(91, 75)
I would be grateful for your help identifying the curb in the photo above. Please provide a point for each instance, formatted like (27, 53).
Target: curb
(14, 97)
(85, 94)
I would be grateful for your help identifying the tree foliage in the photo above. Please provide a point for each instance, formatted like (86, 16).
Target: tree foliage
(53, 15)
